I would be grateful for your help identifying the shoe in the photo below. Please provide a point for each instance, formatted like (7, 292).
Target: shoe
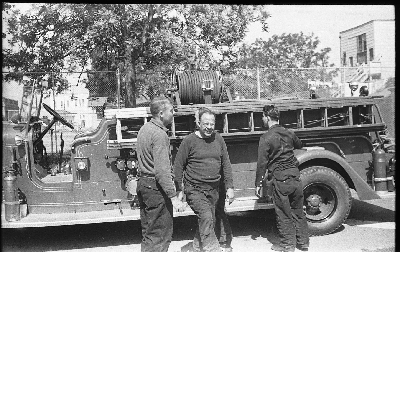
(189, 248)
(225, 247)
(301, 247)
(277, 247)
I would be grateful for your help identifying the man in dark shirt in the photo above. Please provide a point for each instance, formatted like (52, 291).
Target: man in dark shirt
(156, 189)
(276, 158)
(198, 164)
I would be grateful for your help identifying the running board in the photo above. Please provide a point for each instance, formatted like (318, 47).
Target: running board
(114, 215)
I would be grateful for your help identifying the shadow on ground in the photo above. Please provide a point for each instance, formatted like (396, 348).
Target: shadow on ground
(71, 237)
(364, 211)
(254, 224)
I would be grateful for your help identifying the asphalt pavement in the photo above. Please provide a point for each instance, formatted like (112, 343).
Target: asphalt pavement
(370, 227)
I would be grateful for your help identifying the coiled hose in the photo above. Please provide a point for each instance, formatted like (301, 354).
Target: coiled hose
(189, 85)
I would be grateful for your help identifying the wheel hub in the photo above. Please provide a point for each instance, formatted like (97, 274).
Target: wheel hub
(314, 200)
(313, 204)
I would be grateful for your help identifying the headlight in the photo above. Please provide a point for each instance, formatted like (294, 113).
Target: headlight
(18, 140)
(81, 165)
(121, 164)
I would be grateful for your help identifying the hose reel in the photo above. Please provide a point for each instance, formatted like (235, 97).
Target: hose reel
(198, 87)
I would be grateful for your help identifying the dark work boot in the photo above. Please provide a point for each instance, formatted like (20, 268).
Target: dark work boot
(225, 247)
(278, 247)
(301, 247)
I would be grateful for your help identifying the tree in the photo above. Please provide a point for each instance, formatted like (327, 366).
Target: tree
(293, 50)
(285, 59)
(39, 43)
(131, 37)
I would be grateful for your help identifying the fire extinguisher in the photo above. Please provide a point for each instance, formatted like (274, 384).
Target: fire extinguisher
(380, 179)
(11, 198)
(390, 174)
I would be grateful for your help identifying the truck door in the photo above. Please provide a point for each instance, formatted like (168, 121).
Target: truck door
(106, 164)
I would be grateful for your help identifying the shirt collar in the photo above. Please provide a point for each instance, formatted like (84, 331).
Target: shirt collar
(275, 126)
(159, 124)
(198, 134)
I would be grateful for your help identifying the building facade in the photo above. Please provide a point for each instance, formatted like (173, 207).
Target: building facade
(370, 44)
(73, 104)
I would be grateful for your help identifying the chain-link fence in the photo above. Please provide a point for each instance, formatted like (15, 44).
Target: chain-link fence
(81, 97)
(296, 82)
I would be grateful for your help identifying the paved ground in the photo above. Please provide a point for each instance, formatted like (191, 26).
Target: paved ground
(370, 227)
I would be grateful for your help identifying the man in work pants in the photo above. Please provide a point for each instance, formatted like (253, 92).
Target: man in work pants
(156, 189)
(276, 158)
(198, 164)
(223, 229)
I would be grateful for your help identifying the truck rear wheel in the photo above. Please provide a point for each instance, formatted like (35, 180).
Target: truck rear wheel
(327, 199)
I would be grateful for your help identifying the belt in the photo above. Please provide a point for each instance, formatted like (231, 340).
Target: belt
(207, 186)
(144, 175)
(288, 178)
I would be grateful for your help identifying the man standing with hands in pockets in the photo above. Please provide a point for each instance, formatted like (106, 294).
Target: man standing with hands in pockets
(156, 189)
(198, 164)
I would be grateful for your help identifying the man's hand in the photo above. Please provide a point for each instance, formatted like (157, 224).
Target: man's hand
(178, 204)
(230, 195)
(258, 191)
(179, 195)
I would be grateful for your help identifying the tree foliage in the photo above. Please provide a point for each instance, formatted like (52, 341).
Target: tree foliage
(293, 50)
(131, 37)
(287, 51)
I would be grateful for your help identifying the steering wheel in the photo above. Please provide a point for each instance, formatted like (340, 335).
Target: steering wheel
(57, 116)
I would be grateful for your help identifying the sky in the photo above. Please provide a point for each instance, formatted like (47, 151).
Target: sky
(325, 21)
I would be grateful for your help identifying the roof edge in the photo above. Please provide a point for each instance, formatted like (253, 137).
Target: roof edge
(365, 23)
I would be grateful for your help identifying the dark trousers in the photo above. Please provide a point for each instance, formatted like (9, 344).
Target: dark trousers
(203, 200)
(223, 229)
(156, 215)
(290, 218)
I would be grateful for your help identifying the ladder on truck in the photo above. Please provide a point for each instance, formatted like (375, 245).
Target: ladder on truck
(248, 109)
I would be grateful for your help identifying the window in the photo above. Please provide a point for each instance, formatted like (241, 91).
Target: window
(344, 59)
(362, 49)
(351, 61)
(362, 58)
(371, 54)
(362, 43)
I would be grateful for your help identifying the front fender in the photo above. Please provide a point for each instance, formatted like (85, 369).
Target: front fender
(320, 156)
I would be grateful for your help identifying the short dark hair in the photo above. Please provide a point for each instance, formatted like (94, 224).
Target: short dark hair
(158, 104)
(205, 110)
(271, 111)
(199, 113)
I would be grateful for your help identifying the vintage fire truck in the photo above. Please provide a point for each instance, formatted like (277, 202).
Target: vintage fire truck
(345, 148)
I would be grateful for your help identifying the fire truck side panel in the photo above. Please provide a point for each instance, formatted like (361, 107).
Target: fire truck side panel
(243, 157)
(356, 149)
(329, 159)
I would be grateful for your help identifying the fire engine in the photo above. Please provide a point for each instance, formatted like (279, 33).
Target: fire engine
(345, 147)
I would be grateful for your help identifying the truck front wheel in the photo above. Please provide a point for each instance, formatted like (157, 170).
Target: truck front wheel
(327, 199)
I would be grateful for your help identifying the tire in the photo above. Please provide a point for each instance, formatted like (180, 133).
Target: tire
(327, 199)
